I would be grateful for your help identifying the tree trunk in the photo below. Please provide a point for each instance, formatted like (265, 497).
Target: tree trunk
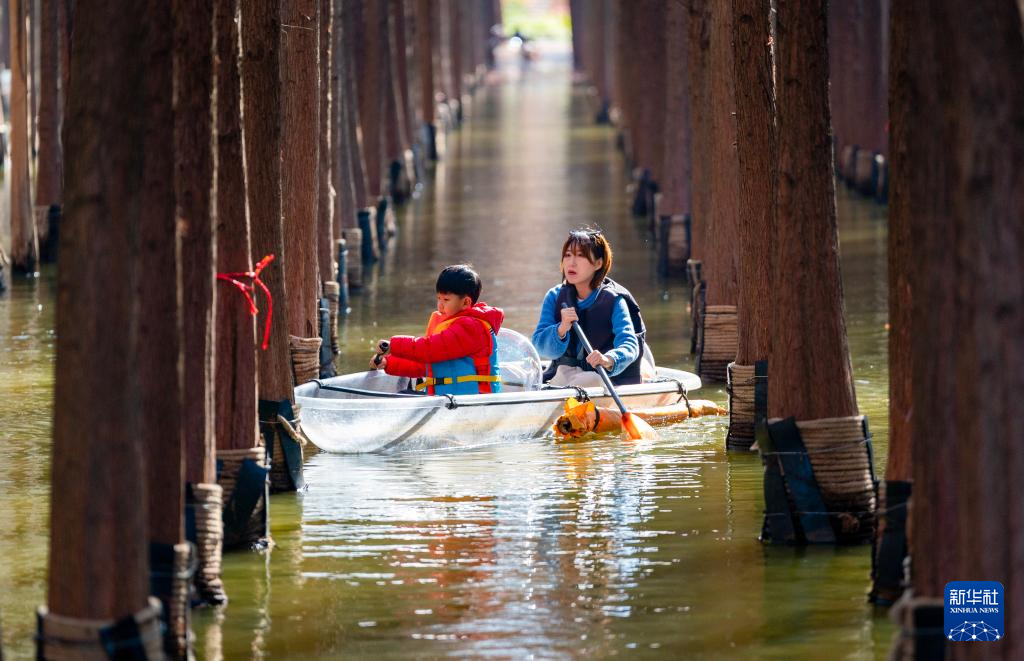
(651, 60)
(700, 114)
(675, 182)
(24, 238)
(49, 166)
(810, 361)
(368, 60)
(97, 519)
(400, 72)
(325, 197)
(193, 44)
(343, 129)
(757, 155)
(426, 55)
(235, 410)
(300, 155)
(261, 121)
(576, 19)
(721, 259)
(352, 34)
(961, 167)
(393, 129)
(455, 54)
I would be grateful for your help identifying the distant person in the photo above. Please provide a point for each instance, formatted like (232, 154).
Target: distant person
(605, 310)
(458, 355)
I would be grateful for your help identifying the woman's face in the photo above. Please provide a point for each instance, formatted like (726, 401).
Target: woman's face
(577, 267)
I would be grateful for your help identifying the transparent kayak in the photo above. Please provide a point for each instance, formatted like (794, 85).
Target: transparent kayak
(375, 412)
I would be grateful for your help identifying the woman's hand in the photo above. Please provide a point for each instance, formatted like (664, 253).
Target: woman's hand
(597, 358)
(568, 316)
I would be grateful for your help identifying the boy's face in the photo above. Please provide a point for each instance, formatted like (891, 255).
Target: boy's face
(449, 304)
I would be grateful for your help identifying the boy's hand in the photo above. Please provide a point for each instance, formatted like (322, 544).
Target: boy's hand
(568, 316)
(597, 358)
(383, 346)
(378, 362)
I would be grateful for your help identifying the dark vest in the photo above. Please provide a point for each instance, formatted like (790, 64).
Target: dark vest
(596, 322)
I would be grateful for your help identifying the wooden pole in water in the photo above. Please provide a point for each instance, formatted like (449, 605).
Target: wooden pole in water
(98, 567)
(49, 165)
(299, 161)
(961, 166)
(757, 155)
(261, 102)
(235, 356)
(810, 361)
(24, 238)
(193, 86)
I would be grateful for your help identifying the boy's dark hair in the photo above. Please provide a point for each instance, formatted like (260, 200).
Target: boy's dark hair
(461, 280)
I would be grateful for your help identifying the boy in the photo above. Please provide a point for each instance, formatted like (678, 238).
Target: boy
(458, 355)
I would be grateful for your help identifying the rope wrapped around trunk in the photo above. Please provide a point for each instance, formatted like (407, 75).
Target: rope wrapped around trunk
(718, 341)
(63, 638)
(838, 450)
(280, 477)
(305, 352)
(209, 511)
(741, 407)
(231, 463)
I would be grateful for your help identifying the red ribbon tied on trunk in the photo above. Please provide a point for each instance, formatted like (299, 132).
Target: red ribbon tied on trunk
(249, 290)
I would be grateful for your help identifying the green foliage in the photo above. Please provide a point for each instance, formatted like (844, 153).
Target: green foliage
(551, 23)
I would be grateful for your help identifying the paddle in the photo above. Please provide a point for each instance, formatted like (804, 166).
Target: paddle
(636, 428)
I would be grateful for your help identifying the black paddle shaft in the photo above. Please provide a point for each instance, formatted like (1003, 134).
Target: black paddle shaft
(600, 368)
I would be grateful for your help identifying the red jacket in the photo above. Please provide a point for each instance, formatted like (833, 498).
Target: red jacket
(465, 336)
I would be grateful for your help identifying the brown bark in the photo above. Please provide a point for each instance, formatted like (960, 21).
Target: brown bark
(342, 127)
(352, 34)
(675, 178)
(455, 54)
(5, 36)
(963, 173)
(425, 56)
(650, 60)
(810, 361)
(235, 355)
(700, 122)
(901, 252)
(261, 117)
(368, 60)
(97, 525)
(193, 65)
(300, 153)
(576, 19)
(400, 72)
(721, 259)
(757, 155)
(49, 167)
(24, 237)
(325, 197)
(393, 129)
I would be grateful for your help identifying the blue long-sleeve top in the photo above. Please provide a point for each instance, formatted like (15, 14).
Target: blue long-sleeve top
(626, 346)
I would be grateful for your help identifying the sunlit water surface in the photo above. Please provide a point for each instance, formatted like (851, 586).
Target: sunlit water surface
(603, 547)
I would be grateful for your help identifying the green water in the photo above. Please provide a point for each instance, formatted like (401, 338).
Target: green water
(531, 549)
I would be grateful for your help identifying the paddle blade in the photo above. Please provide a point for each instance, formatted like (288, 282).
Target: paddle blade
(636, 428)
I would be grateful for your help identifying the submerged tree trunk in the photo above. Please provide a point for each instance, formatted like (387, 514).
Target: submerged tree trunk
(352, 34)
(300, 153)
(810, 361)
(325, 197)
(193, 179)
(721, 257)
(235, 356)
(675, 183)
(961, 166)
(49, 166)
(758, 172)
(98, 514)
(426, 56)
(700, 114)
(261, 116)
(371, 94)
(344, 138)
(24, 238)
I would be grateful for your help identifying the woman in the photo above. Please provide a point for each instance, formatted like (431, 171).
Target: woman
(607, 312)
